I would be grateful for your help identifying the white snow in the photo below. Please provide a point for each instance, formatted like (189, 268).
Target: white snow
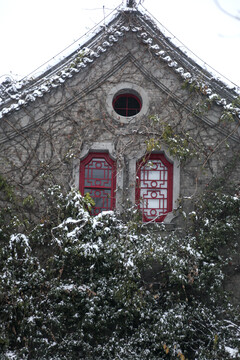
(233, 352)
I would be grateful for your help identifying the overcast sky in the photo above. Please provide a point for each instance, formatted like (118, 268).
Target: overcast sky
(33, 31)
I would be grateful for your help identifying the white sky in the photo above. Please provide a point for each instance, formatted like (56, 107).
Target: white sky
(33, 31)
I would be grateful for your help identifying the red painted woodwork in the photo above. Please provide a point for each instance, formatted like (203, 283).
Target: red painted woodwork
(154, 188)
(98, 178)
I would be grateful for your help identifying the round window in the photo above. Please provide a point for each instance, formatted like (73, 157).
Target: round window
(127, 104)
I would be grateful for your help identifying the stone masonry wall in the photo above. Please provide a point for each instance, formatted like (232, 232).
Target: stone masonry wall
(42, 144)
(61, 125)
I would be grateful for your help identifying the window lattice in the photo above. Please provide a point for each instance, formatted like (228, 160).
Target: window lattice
(154, 188)
(97, 177)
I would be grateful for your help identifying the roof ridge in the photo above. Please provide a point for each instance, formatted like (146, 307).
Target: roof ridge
(15, 98)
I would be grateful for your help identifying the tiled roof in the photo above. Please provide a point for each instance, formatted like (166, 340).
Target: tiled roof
(14, 95)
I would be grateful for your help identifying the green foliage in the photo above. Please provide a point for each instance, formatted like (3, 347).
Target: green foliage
(236, 102)
(5, 189)
(216, 223)
(227, 116)
(28, 201)
(78, 59)
(229, 112)
(14, 210)
(8, 219)
(179, 146)
(202, 107)
(109, 289)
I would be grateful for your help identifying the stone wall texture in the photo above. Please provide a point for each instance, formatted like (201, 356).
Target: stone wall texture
(43, 142)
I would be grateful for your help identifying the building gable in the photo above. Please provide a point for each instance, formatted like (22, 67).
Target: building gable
(52, 123)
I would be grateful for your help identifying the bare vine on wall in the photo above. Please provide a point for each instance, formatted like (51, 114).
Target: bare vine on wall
(43, 154)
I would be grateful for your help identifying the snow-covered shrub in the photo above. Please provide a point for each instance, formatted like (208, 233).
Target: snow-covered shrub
(113, 289)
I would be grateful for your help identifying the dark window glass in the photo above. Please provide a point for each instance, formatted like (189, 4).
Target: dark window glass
(127, 105)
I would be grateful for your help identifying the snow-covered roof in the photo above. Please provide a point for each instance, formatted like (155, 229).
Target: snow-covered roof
(16, 94)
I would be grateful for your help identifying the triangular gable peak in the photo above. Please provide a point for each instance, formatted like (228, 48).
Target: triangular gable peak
(14, 95)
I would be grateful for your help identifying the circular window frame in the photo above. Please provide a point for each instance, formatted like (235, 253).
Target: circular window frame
(127, 95)
(127, 88)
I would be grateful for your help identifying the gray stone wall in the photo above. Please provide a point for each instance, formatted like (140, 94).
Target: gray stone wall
(43, 143)
(46, 140)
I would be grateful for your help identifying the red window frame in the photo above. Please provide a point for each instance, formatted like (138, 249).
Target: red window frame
(126, 108)
(101, 189)
(159, 189)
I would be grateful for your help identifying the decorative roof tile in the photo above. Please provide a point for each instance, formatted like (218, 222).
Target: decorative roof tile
(13, 94)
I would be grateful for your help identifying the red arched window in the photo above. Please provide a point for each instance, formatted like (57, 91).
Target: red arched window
(154, 188)
(98, 178)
